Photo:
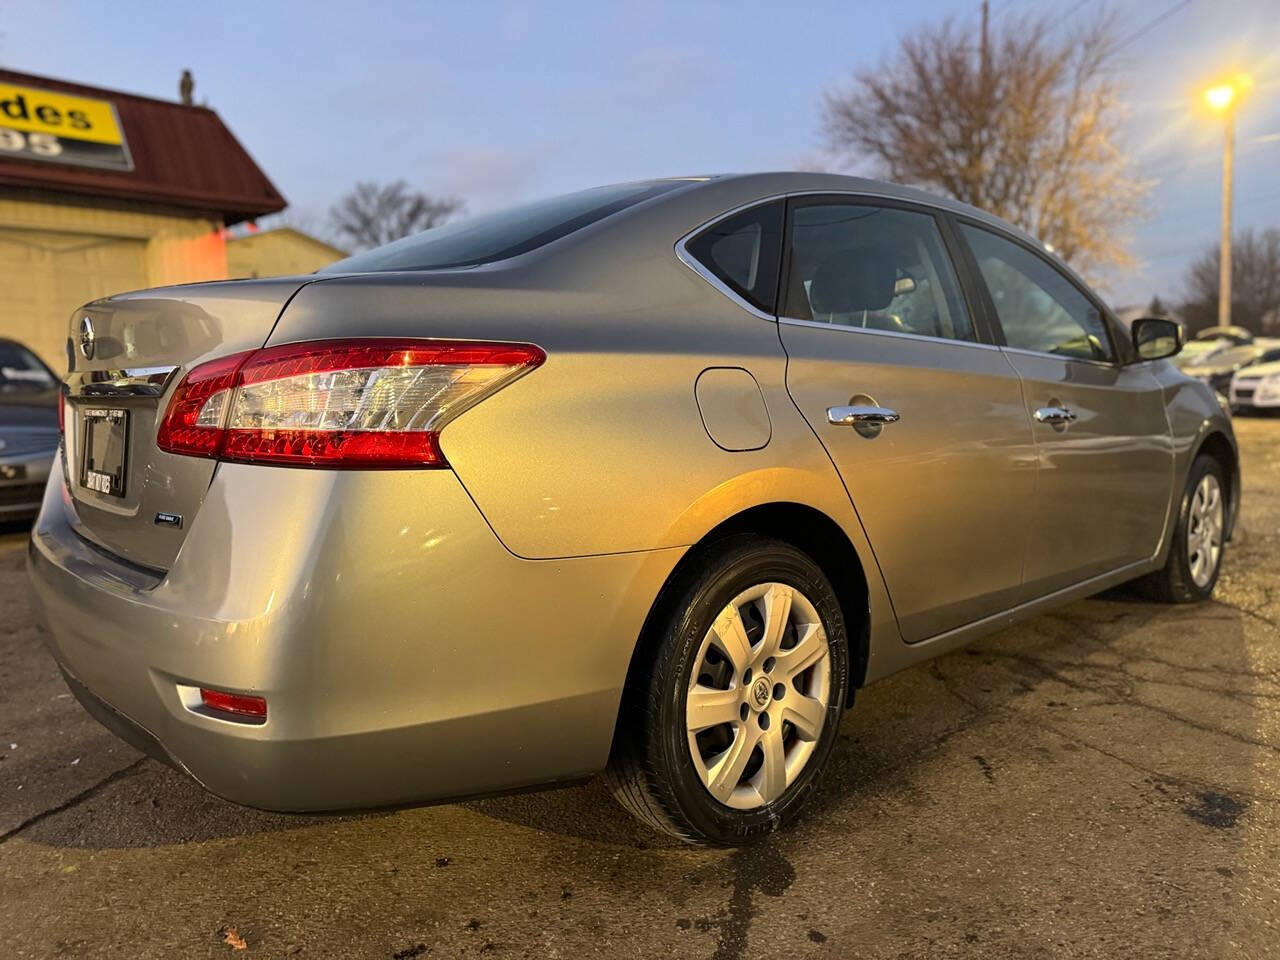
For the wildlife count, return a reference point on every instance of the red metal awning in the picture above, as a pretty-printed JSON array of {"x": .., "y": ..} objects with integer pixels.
[{"x": 183, "y": 156}]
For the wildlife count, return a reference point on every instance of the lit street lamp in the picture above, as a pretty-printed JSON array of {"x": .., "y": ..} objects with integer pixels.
[{"x": 1223, "y": 98}]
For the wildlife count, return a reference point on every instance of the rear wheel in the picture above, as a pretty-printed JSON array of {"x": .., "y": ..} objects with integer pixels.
[
  {"x": 725, "y": 731},
  {"x": 1195, "y": 555}
]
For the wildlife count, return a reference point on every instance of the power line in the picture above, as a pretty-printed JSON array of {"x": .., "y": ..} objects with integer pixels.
[
  {"x": 1067, "y": 16},
  {"x": 1144, "y": 30}
]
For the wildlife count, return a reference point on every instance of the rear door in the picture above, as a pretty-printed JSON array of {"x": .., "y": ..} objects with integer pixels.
[
  {"x": 1102, "y": 434},
  {"x": 876, "y": 324}
]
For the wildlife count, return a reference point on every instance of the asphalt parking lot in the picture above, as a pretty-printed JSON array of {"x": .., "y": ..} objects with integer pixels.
[{"x": 1103, "y": 781}]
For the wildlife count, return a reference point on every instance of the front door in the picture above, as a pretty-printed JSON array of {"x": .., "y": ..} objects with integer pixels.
[
  {"x": 923, "y": 419},
  {"x": 1102, "y": 435}
]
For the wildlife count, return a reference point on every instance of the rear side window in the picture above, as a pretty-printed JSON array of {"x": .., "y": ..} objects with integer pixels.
[
  {"x": 505, "y": 234},
  {"x": 742, "y": 252},
  {"x": 1039, "y": 308},
  {"x": 878, "y": 268}
]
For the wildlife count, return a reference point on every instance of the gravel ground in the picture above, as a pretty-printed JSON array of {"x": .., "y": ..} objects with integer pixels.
[{"x": 1102, "y": 781}]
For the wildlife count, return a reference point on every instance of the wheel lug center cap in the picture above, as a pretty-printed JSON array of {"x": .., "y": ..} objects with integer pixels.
[{"x": 759, "y": 694}]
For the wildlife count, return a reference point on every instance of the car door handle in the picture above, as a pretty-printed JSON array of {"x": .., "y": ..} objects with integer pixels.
[
  {"x": 1054, "y": 415},
  {"x": 851, "y": 416}
]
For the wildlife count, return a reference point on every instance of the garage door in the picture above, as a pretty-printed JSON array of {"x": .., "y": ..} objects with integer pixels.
[{"x": 45, "y": 275}]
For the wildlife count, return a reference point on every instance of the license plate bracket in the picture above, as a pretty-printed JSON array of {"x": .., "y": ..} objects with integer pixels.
[{"x": 105, "y": 450}]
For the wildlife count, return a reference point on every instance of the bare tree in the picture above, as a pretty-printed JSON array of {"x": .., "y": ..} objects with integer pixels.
[
  {"x": 373, "y": 214},
  {"x": 1255, "y": 282},
  {"x": 1018, "y": 120}
]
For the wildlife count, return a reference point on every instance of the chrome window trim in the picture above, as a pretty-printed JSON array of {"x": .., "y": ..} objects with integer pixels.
[
  {"x": 125, "y": 382},
  {"x": 1111, "y": 364},
  {"x": 868, "y": 331},
  {"x": 995, "y": 225},
  {"x": 692, "y": 262}
]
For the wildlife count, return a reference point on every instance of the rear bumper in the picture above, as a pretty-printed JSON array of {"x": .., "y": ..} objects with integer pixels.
[{"x": 404, "y": 654}]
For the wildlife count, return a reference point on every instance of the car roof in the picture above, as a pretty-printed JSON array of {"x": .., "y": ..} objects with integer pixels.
[{"x": 789, "y": 182}]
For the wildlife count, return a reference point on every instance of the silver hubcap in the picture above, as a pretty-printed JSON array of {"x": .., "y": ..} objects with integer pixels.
[
  {"x": 1204, "y": 530},
  {"x": 757, "y": 701}
]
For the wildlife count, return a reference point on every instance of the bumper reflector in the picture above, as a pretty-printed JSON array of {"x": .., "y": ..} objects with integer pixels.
[{"x": 235, "y": 703}]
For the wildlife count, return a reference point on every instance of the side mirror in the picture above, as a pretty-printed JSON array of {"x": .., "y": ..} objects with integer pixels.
[{"x": 1155, "y": 338}]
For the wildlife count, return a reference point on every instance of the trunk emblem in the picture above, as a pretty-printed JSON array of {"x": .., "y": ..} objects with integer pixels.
[
  {"x": 87, "y": 338},
  {"x": 169, "y": 520}
]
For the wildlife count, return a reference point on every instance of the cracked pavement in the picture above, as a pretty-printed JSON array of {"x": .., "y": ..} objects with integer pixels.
[{"x": 1101, "y": 781}]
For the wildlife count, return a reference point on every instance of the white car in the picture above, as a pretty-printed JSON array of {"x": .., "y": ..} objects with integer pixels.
[{"x": 1256, "y": 387}]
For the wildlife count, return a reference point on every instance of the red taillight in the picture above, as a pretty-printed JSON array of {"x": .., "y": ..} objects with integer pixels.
[
  {"x": 337, "y": 403},
  {"x": 62, "y": 414},
  {"x": 184, "y": 429},
  {"x": 236, "y": 703}
]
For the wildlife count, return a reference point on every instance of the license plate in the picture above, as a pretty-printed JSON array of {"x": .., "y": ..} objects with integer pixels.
[{"x": 106, "y": 438}]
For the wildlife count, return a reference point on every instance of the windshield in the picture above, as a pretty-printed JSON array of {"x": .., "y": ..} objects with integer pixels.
[
  {"x": 1199, "y": 351},
  {"x": 507, "y": 233},
  {"x": 21, "y": 370},
  {"x": 1235, "y": 357}
]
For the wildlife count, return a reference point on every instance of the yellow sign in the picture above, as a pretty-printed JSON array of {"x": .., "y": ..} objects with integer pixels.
[
  {"x": 43, "y": 125},
  {"x": 40, "y": 111}
]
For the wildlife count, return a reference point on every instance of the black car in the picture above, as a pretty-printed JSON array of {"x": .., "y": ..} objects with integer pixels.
[{"x": 29, "y": 431}]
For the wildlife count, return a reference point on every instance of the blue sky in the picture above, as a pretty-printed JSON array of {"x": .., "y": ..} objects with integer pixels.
[{"x": 502, "y": 102}]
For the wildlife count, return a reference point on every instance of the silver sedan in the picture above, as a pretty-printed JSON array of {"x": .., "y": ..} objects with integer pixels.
[{"x": 646, "y": 479}]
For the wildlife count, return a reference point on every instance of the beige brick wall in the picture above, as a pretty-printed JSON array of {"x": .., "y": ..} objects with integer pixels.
[
  {"x": 57, "y": 252},
  {"x": 282, "y": 252}
]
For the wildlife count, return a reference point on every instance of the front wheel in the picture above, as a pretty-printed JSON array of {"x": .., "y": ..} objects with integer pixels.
[
  {"x": 1195, "y": 555},
  {"x": 728, "y": 725}
]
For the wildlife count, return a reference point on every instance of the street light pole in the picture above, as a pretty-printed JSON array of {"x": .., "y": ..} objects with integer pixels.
[
  {"x": 1224, "y": 265},
  {"x": 1223, "y": 99}
]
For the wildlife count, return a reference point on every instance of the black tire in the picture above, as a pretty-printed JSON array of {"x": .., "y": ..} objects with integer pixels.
[
  {"x": 1174, "y": 583},
  {"x": 651, "y": 770}
]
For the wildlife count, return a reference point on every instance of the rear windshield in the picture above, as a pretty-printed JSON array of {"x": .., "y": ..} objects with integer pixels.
[
  {"x": 21, "y": 371},
  {"x": 507, "y": 233}
]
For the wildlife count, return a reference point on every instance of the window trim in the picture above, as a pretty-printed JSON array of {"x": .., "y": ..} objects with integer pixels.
[
  {"x": 972, "y": 284},
  {"x": 977, "y": 317},
  {"x": 707, "y": 273},
  {"x": 989, "y": 303},
  {"x": 702, "y": 270}
]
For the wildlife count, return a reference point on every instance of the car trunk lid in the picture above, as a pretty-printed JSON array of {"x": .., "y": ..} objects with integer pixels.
[{"x": 127, "y": 354}]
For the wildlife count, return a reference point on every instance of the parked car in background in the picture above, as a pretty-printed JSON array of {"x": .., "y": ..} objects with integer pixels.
[
  {"x": 647, "y": 478},
  {"x": 1196, "y": 352},
  {"x": 28, "y": 430},
  {"x": 1257, "y": 386},
  {"x": 1219, "y": 367},
  {"x": 1236, "y": 335}
]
